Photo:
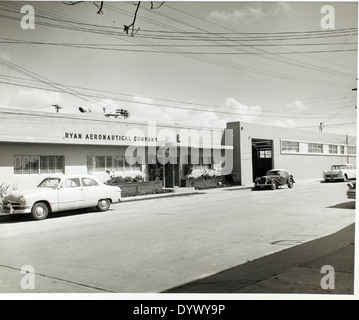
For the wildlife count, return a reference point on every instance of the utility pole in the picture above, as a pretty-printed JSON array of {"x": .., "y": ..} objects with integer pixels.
[
  {"x": 347, "y": 143},
  {"x": 355, "y": 89},
  {"x": 321, "y": 127}
]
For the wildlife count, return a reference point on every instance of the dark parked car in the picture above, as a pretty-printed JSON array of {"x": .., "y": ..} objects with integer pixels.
[{"x": 273, "y": 179}]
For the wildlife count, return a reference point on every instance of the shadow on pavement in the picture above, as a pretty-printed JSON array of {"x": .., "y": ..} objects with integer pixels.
[
  {"x": 345, "y": 205},
  {"x": 23, "y": 218}
]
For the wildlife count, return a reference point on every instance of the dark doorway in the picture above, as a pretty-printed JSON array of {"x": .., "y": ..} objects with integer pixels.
[
  {"x": 172, "y": 175},
  {"x": 262, "y": 157}
]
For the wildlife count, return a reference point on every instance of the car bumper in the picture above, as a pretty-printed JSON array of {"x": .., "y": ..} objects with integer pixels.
[
  {"x": 330, "y": 177},
  {"x": 10, "y": 209},
  {"x": 262, "y": 185}
]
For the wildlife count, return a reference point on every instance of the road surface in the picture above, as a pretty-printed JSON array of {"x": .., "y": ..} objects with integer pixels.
[{"x": 154, "y": 245}]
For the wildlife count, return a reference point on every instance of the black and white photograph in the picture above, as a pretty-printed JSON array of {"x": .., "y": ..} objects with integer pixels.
[{"x": 178, "y": 149}]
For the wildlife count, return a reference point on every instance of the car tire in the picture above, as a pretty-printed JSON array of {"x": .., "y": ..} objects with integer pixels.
[
  {"x": 274, "y": 185},
  {"x": 346, "y": 177},
  {"x": 104, "y": 205},
  {"x": 290, "y": 184},
  {"x": 39, "y": 211}
]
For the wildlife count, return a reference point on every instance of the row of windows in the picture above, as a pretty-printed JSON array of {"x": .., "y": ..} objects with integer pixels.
[
  {"x": 110, "y": 163},
  {"x": 56, "y": 164},
  {"x": 39, "y": 164},
  {"x": 318, "y": 148}
]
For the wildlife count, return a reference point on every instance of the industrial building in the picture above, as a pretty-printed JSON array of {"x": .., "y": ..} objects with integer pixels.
[{"x": 36, "y": 145}]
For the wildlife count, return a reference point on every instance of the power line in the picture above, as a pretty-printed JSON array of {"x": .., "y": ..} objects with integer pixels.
[
  {"x": 288, "y": 59},
  {"x": 239, "y": 113},
  {"x": 92, "y": 90},
  {"x": 107, "y": 48},
  {"x": 229, "y": 65}
]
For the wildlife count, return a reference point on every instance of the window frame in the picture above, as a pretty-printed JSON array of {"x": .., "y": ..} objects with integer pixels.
[{"x": 39, "y": 164}]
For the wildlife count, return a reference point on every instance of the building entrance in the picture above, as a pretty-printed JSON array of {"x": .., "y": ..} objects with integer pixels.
[
  {"x": 172, "y": 176},
  {"x": 262, "y": 157}
]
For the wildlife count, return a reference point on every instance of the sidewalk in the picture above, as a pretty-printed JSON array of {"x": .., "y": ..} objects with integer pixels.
[
  {"x": 180, "y": 192},
  {"x": 191, "y": 191},
  {"x": 296, "y": 270}
]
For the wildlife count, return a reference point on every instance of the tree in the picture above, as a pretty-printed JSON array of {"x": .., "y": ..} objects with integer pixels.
[{"x": 128, "y": 29}]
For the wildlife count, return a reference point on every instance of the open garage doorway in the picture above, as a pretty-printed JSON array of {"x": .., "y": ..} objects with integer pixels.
[{"x": 262, "y": 157}]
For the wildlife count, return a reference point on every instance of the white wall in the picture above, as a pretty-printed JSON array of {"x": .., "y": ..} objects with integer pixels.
[{"x": 300, "y": 166}]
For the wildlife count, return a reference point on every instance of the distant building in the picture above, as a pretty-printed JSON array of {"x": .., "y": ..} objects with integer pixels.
[{"x": 305, "y": 154}]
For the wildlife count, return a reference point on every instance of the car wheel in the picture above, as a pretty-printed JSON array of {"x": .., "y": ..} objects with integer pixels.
[
  {"x": 104, "y": 205},
  {"x": 290, "y": 184},
  {"x": 39, "y": 211},
  {"x": 346, "y": 177},
  {"x": 274, "y": 185}
]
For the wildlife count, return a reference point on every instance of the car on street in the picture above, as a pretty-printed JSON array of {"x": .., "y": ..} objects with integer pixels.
[
  {"x": 274, "y": 179},
  {"x": 351, "y": 193},
  {"x": 340, "y": 172},
  {"x": 61, "y": 193}
]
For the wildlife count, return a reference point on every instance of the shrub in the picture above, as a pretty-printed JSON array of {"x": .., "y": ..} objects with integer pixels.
[{"x": 138, "y": 179}]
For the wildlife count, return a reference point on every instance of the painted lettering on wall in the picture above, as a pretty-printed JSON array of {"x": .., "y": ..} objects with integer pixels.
[{"x": 106, "y": 137}]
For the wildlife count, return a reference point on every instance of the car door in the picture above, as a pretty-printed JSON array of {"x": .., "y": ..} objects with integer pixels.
[
  {"x": 92, "y": 191},
  {"x": 284, "y": 177},
  {"x": 71, "y": 194}
]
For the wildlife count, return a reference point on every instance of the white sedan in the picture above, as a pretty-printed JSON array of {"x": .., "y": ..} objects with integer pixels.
[
  {"x": 61, "y": 193},
  {"x": 340, "y": 172}
]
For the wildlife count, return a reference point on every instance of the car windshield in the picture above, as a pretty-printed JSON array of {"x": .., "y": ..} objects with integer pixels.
[
  {"x": 50, "y": 183},
  {"x": 273, "y": 173},
  {"x": 340, "y": 167}
]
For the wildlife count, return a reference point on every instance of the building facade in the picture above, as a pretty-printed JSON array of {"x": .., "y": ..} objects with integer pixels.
[
  {"x": 305, "y": 154},
  {"x": 34, "y": 146}
]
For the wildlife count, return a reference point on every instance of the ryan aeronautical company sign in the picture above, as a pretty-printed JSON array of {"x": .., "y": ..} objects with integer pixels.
[{"x": 106, "y": 137}]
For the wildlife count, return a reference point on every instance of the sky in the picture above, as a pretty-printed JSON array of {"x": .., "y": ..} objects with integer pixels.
[{"x": 189, "y": 63}]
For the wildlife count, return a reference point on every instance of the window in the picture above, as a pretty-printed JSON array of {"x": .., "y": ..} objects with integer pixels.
[
  {"x": 18, "y": 165},
  {"x": 101, "y": 164},
  {"x": 265, "y": 154},
  {"x": 26, "y": 165},
  {"x": 44, "y": 164},
  {"x": 88, "y": 182},
  {"x": 71, "y": 183},
  {"x": 59, "y": 166},
  {"x": 110, "y": 163},
  {"x": 50, "y": 183},
  {"x": 342, "y": 149},
  {"x": 52, "y": 164},
  {"x": 333, "y": 149},
  {"x": 290, "y": 146},
  {"x": 352, "y": 150},
  {"x": 118, "y": 163},
  {"x": 39, "y": 164},
  {"x": 315, "y": 148},
  {"x": 34, "y": 164}
]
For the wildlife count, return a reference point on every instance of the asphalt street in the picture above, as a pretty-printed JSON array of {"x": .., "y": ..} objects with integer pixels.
[{"x": 155, "y": 245}]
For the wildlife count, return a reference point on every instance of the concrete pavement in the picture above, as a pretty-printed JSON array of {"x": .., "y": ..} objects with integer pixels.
[
  {"x": 156, "y": 245},
  {"x": 296, "y": 270}
]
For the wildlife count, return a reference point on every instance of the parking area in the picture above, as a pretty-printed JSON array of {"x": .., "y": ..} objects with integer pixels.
[{"x": 159, "y": 244}]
